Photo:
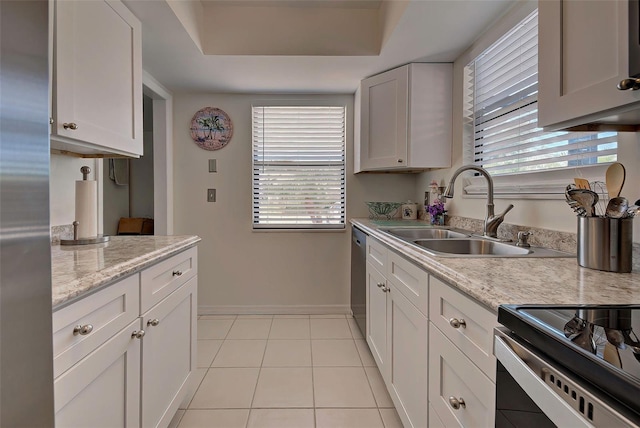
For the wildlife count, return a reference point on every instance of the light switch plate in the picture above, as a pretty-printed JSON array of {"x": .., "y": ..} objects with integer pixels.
[
  {"x": 213, "y": 167},
  {"x": 211, "y": 195}
]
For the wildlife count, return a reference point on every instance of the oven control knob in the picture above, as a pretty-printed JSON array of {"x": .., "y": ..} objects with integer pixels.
[
  {"x": 456, "y": 403},
  {"x": 457, "y": 323}
]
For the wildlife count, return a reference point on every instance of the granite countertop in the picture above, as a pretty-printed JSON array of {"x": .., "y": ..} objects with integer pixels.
[
  {"x": 79, "y": 269},
  {"x": 496, "y": 281}
]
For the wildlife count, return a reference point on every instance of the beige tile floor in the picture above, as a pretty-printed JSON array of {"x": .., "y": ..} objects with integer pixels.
[{"x": 284, "y": 371}]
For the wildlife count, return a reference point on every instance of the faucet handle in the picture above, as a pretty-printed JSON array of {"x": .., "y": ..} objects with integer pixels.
[{"x": 523, "y": 239}]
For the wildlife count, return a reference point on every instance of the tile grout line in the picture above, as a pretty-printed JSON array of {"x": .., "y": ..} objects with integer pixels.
[
  {"x": 255, "y": 389},
  {"x": 313, "y": 385}
]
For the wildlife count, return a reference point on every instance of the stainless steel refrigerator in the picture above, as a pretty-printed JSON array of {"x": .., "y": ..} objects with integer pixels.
[{"x": 26, "y": 363}]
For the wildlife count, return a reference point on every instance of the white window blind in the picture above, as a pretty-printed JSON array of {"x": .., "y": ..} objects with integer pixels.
[
  {"x": 502, "y": 85},
  {"x": 298, "y": 167}
]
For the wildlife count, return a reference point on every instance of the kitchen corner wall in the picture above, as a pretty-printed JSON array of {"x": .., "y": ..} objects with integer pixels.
[
  {"x": 243, "y": 271},
  {"x": 545, "y": 214}
]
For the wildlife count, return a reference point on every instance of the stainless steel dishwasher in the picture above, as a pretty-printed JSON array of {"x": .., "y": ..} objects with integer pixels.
[{"x": 359, "y": 278}]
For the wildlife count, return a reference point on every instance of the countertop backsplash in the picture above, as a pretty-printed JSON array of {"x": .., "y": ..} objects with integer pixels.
[{"x": 61, "y": 232}]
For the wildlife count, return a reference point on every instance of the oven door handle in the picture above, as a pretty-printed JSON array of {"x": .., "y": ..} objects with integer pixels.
[{"x": 559, "y": 412}]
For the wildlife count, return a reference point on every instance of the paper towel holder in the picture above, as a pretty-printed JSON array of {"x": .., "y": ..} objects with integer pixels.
[
  {"x": 85, "y": 170},
  {"x": 84, "y": 241}
]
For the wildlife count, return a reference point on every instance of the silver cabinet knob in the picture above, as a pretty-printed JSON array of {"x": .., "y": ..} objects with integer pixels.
[
  {"x": 154, "y": 322},
  {"x": 70, "y": 125},
  {"x": 380, "y": 285},
  {"x": 386, "y": 289},
  {"x": 177, "y": 273},
  {"x": 629, "y": 84},
  {"x": 82, "y": 330},
  {"x": 457, "y": 323},
  {"x": 457, "y": 403},
  {"x": 400, "y": 161},
  {"x": 138, "y": 334}
]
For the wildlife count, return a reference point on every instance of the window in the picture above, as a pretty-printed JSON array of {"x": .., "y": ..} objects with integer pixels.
[
  {"x": 298, "y": 167},
  {"x": 501, "y": 113}
]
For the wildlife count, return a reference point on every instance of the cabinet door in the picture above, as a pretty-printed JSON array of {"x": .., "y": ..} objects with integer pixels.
[
  {"x": 103, "y": 389},
  {"x": 407, "y": 341},
  {"x": 580, "y": 64},
  {"x": 384, "y": 120},
  {"x": 97, "y": 82},
  {"x": 377, "y": 317},
  {"x": 168, "y": 355},
  {"x": 454, "y": 377}
]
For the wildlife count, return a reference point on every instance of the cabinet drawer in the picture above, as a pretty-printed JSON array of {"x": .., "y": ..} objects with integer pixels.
[
  {"x": 162, "y": 279},
  {"x": 409, "y": 279},
  {"x": 377, "y": 255},
  {"x": 452, "y": 375},
  {"x": 474, "y": 337},
  {"x": 106, "y": 312}
]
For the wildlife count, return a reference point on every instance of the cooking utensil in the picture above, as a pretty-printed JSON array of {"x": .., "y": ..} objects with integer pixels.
[
  {"x": 575, "y": 206},
  {"x": 587, "y": 199},
  {"x": 603, "y": 197},
  {"x": 632, "y": 211},
  {"x": 617, "y": 207},
  {"x": 615, "y": 179},
  {"x": 582, "y": 183}
]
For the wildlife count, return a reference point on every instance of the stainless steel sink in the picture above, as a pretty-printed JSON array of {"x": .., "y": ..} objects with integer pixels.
[
  {"x": 445, "y": 242},
  {"x": 426, "y": 233},
  {"x": 479, "y": 247}
]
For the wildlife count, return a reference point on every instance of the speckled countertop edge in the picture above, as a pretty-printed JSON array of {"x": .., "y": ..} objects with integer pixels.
[
  {"x": 496, "y": 281},
  {"x": 79, "y": 270}
]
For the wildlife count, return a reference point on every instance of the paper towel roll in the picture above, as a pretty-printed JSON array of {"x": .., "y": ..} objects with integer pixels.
[{"x": 87, "y": 208}]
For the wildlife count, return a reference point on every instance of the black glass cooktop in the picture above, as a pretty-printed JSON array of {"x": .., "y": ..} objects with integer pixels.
[{"x": 600, "y": 344}]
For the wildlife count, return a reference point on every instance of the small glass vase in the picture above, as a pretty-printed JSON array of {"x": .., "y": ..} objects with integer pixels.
[{"x": 437, "y": 220}]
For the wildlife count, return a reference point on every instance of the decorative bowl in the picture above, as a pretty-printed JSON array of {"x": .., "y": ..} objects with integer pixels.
[{"x": 383, "y": 209}]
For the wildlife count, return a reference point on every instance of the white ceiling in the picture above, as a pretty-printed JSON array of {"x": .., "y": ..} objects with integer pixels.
[{"x": 428, "y": 31}]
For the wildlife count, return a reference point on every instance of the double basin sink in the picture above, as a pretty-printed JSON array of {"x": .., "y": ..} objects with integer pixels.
[{"x": 459, "y": 243}]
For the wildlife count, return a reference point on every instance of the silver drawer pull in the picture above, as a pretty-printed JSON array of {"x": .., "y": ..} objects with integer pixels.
[
  {"x": 82, "y": 330},
  {"x": 457, "y": 403},
  {"x": 137, "y": 334},
  {"x": 154, "y": 322},
  {"x": 457, "y": 323},
  {"x": 177, "y": 273},
  {"x": 71, "y": 126}
]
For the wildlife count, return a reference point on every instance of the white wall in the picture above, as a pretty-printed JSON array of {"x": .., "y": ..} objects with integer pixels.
[
  {"x": 65, "y": 171},
  {"x": 547, "y": 214},
  {"x": 245, "y": 271}
]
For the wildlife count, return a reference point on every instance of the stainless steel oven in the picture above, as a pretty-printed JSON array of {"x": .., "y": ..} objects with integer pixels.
[{"x": 567, "y": 366}]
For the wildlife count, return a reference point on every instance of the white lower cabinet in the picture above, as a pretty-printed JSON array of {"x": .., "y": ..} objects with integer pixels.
[
  {"x": 131, "y": 377},
  {"x": 377, "y": 317},
  {"x": 168, "y": 356},
  {"x": 407, "y": 347},
  {"x": 397, "y": 337},
  {"x": 431, "y": 342},
  {"x": 459, "y": 392},
  {"x": 102, "y": 390}
]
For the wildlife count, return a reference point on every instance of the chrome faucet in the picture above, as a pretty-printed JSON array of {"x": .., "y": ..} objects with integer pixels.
[{"x": 491, "y": 221}]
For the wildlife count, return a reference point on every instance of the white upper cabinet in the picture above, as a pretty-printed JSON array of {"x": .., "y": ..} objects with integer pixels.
[
  {"x": 97, "y": 79},
  {"x": 405, "y": 119},
  {"x": 583, "y": 56}
]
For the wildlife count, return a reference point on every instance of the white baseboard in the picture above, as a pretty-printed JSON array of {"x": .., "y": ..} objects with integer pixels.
[{"x": 274, "y": 309}]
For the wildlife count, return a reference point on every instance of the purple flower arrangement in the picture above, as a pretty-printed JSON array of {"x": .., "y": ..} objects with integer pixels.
[
  {"x": 436, "y": 211},
  {"x": 436, "y": 208}
]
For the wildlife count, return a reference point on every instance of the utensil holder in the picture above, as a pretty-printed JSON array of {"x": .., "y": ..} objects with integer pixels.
[{"x": 605, "y": 243}]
